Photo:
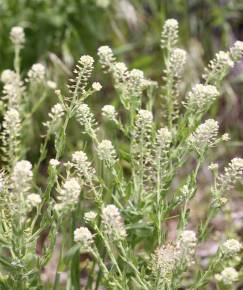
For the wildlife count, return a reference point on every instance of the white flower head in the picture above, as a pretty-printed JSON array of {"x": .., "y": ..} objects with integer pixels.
[
  {"x": 169, "y": 34},
  {"x": 164, "y": 261},
  {"x": 113, "y": 222},
  {"x": 205, "y": 135},
  {"x": 96, "y": 86},
  {"x": 106, "y": 152},
  {"x": 177, "y": 62},
  {"x": 187, "y": 244},
  {"x": 109, "y": 112},
  {"x": 232, "y": 174},
  {"x": 236, "y": 51},
  {"x": 228, "y": 276},
  {"x": 17, "y": 35},
  {"x": 90, "y": 216},
  {"x": 54, "y": 162},
  {"x": 33, "y": 200},
  {"x": 83, "y": 236},
  {"x": 83, "y": 165},
  {"x": 22, "y": 175},
  {"x": 69, "y": 193},
  {"x": 9, "y": 76},
  {"x": 86, "y": 60},
  {"x": 163, "y": 138},
  {"x": 106, "y": 57},
  {"x": 231, "y": 247},
  {"x": 201, "y": 97},
  {"x": 37, "y": 73}
]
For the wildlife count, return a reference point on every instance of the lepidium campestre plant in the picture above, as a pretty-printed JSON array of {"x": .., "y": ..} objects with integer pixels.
[{"x": 106, "y": 202}]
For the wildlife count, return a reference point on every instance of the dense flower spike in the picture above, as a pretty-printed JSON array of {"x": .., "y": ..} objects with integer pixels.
[
  {"x": 232, "y": 174},
  {"x": 201, "y": 97},
  {"x": 205, "y": 135},
  {"x": 231, "y": 247},
  {"x": 109, "y": 112},
  {"x": 106, "y": 152},
  {"x": 33, "y": 200},
  {"x": 83, "y": 166},
  {"x": 164, "y": 263},
  {"x": 84, "y": 237},
  {"x": 37, "y": 73},
  {"x": 13, "y": 88},
  {"x": 236, "y": 51},
  {"x": 187, "y": 244},
  {"x": 56, "y": 114},
  {"x": 113, "y": 222},
  {"x": 68, "y": 194},
  {"x": 177, "y": 62},
  {"x": 228, "y": 276},
  {"x": 169, "y": 35},
  {"x": 22, "y": 176},
  {"x": 106, "y": 57},
  {"x": 82, "y": 72},
  {"x": 17, "y": 35},
  {"x": 163, "y": 138},
  {"x": 218, "y": 67},
  {"x": 86, "y": 119},
  {"x": 11, "y": 135}
]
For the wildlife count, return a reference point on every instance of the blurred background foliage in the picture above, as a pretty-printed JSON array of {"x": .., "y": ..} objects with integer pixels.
[{"x": 59, "y": 31}]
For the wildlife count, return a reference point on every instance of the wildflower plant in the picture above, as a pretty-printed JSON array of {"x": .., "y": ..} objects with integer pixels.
[{"x": 113, "y": 206}]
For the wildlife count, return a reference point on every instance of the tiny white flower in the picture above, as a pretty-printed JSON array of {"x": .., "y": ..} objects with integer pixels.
[
  {"x": 96, "y": 86},
  {"x": 17, "y": 35},
  {"x": 54, "y": 162}
]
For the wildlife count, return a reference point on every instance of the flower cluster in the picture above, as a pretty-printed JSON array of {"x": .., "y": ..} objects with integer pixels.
[
  {"x": 109, "y": 112},
  {"x": 205, "y": 135},
  {"x": 231, "y": 247},
  {"x": 231, "y": 174},
  {"x": 37, "y": 73},
  {"x": 228, "y": 276},
  {"x": 84, "y": 237},
  {"x": 83, "y": 166},
  {"x": 164, "y": 262},
  {"x": 13, "y": 88},
  {"x": 11, "y": 134},
  {"x": 82, "y": 72},
  {"x": 86, "y": 119},
  {"x": 106, "y": 152},
  {"x": 163, "y": 138},
  {"x": 17, "y": 35},
  {"x": 113, "y": 222},
  {"x": 68, "y": 194},
  {"x": 187, "y": 244},
  {"x": 106, "y": 57},
  {"x": 176, "y": 62},
  {"x": 236, "y": 51},
  {"x": 56, "y": 114},
  {"x": 22, "y": 176},
  {"x": 201, "y": 97},
  {"x": 169, "y": 35},
  {"x": 218, "y": 67}
]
